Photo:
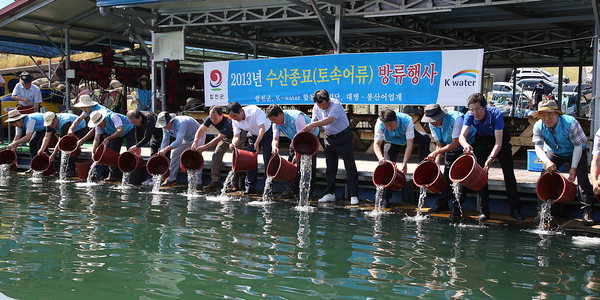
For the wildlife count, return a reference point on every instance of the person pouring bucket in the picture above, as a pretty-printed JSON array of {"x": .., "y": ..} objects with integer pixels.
[
  {"x": 29, "y": 128},
  {"x": 565, "y": 142},
  {"x": 445, "y": 128}
]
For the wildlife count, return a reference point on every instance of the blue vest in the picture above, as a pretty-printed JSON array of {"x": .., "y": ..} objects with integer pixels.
[
  {"x": 64, "y": 118},
  {"x": 398, "y": 136},
  {"x": 444, "y": 132},
  {"x": 289, "y": 123},
  {"x": 109, "y": 127},
  {"x": 39, "y": 121},
  {"x": 558, "y": 142}
]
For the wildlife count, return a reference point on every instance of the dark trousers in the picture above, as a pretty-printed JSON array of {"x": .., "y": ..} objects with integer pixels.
[
  {"x": 35, "y": 143},
  {"x": 336, "y": 146},
  {"x": 585, "y": 191},
  {"x": 482, "y": 147},
  {"x": 295, "y": 186},
  {"x": 115, "y": 144},
  {"x": 265, "y": 147},
  {"x": 448, "y": 193},
  {"x": 391, "y": 152}
]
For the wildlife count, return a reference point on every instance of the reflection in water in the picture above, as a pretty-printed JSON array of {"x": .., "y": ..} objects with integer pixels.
[{"x": 303, "y": 229}]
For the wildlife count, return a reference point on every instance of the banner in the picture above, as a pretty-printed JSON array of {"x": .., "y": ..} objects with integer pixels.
[{"x": 400, "y": 78}]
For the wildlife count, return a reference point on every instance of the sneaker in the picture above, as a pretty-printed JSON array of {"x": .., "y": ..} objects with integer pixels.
[
  {"x": 167, "y": 184},
  {"x": 327, "y": 198},
  {"x": 354, "y": 200},
  {"x": 484, "y": 216},
  {"x": 213, "y": 186},
  {"x": 586, "y": 217},
  {"x": 232, "y": 189},
  {"x": 148, "y": 182}
]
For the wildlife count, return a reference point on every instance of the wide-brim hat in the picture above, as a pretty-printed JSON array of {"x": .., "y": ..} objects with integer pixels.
[
  {"x": 433, "y": 113},
  {"x": 143, "y": 77},
  {"x": 85, "y": 101},
  {"x": 48, "y": 118},
  {"x": 547, "y": 106},
  {"x": 163, "y": 119},
  {"x": 115, "y": 84},
  {"x": 96, "y": 118},
  {"x": 14, "y": 115}
]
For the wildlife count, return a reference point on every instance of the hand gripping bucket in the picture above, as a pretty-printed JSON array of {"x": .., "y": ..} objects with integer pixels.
[
  {"x": 106, "y": 156},
  {"x": 305, "y": 143},
  {"x": 68, "y": 144},
  {"x": 428, "y": 175},
  {"x": 244, "y": 160},
  {"x": 130, "y": 162},
  {"x": 83, "y": 169},
  {"x": 8, "y": 157},
  {"x": 388, "y": 176},
  {"x": 281, "y": 170},
  {"x": 41, "y": 163},
  {"x": 466, "y": 171},
  {"x": 158, "y": 165},
  {"x": 554, "y": 186},
  {"x": 191, "y": 160}
]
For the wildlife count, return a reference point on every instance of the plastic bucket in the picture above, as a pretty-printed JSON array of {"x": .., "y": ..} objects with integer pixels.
[
  {"x": 191, "y": 160},
  {"x": 158, "y": 165},
  {"x": 305, "y": 143},
  {"x": 466, "y": 171},
  {"x": 281, "y": 170},
  {"x": 130, "y": 162},
  {"x": 83, "y": 169},
  {"x": 244, "y": 160},
  {"x": 8, "y": 157},
  {"x": 388, "y": 176},
  {"x": 428, "y": 175},
  {"x": 41, "y": 163},
  {"x": 68, "y": 143},
  {"x": 106, "y": 156},
  {"x": 25, "y": 110},
  {"x": 554, "y": 186}
]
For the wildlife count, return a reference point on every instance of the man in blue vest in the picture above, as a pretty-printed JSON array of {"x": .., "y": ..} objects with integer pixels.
[
  {"x": 566, "y": 143},
  {"x": 115, "y": 128},
  {"x": 491, "y": 142},
  {"x": 396, "y": 129},
  {"x": 290, "y": 122},
  {"x": 445, "y": 128},
  {"x": 59, "y": 124},
  {"x": 29, "y": 128}
]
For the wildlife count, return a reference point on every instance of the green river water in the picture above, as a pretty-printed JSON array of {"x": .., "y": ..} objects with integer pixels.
[{"x": 60, "y": 241}]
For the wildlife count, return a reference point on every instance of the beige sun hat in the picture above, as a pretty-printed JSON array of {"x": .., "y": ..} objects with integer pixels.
[
  {"x": 115, "y": 84},
  {"x": 547, "y": 106},
  {"x": 163, "y": 119},
  {"x": 85, "y": 101},
  {"x": 14, "y": 115},
  {"x": 96, "y": 118},
  {"x": 48, "y": 118}
]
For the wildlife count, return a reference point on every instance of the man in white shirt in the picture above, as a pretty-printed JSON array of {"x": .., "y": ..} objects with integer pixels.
[
  {"x": 253, "y": 120},
  {"x": 26, "y": 93}
]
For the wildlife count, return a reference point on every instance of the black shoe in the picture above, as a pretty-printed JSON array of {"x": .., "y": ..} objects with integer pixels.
[
  {"x": 437, "y": 209},
  {"x": 484, "y": 216},
  {"x": 232, "y": 189},
  {"x": 456, "y": 213},
  {"x": 250, "y": 192},
  {"x": 516, "y": 214},
  {"x": 586, "y": 217},
  {"x": 29, "y": 171},
  {"x": 289, "y": 194}
]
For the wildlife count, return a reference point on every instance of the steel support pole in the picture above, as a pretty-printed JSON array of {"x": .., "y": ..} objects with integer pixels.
[
  {"x": 67, "y": 99},
  {"x": 153, "y": 83},
  {"x": 163, "y": 85},
  {"x": 338, "y": 29}
]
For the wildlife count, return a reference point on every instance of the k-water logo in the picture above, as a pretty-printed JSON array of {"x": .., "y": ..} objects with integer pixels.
[
  {"x": 216, "y": 79},
  {"x": 459, "y": 79}
]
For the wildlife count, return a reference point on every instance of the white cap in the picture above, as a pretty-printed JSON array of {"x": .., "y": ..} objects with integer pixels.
[{"x": 48, "y": 118}]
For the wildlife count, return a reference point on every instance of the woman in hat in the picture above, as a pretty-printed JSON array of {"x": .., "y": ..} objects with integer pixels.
[
  {"x": 566, "y": 143},
  {"x": 26, "y": 93},
  {"x": 143, "y": 94},
  {"x": 29, "y": 128}
]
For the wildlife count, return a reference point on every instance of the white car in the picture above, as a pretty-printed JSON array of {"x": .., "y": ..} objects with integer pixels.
[{"x": 540, "y": 73}]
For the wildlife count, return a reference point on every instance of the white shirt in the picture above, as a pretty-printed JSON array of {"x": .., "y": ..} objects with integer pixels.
[
  {"x": 300, "y": 124},
  {"x": 115, "y": 119},
  {"x": 455, "y": 130},
  {"x": 33, "y": 94},
  {"x": 254, "y": 118},
  {"x": 410, "y": 132},
  {"x": 335, "y": 110}
]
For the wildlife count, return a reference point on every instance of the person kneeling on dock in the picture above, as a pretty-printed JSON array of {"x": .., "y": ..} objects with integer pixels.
[
  {"x": 566, "y": 144},
  {"x": 491, "y": 141},
  {"x": 445, "y": 128},
  {"x": 397, "y": 129},
  {"x": 60, "y": 124},
  {"x": 29, "y": 128},
  {"x": 115, "y": 128},
  {"x": 290, "y": 122},
  {"x": 183, "y": 129}
]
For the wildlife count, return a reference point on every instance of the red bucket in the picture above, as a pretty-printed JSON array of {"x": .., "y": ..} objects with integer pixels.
[
  {"x": 281, "y": 169},
  {"x": 130, "y": 162},
  {"x": 191, "y": 160},
  {"x": 244, "y": 160},
  {"x": 428, "y": 175},
  {"x": 106, "y": 156},
  {"x": 388, "y": 176},
  {"x": 25, "y": 110},
  {"x": 305, "y": 143},
  {"x": 554, "y": 186},
  {"x": 83, "y": 169},
  {"x": 41, "y": 163},
  {"x": 466, "y": 171},
  {"x": 8, "y": 157},
  {"x": 158, "y": 165},
  {"x": 68, "y": 143}
]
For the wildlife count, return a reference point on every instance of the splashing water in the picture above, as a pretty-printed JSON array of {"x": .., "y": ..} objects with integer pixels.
[
  {"x": 305, "y": 179},
  {"x": 36, "y": 176},
  {"x": 266, "y": 196},
  {"x": 156, "y": 179},
  {"x": 456, "y": 191},
  {"x": 4, "y": 172},
  {"x": 125, "y": 180},
  {"x": 64, "y": 165},
  {"x": 227, "y": 182},
  {"x": 193, "y": 181},
  {"x": 92, "y": 172},
  {"x": 303, "y": 229},
  {"x": 378, "y": 200},
  {"x": 419, "y": 216},
  {"x": 545, "y": 215}
]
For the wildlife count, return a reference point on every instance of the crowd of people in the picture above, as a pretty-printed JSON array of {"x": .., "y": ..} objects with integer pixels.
[{"x": 558, "y": 139}]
